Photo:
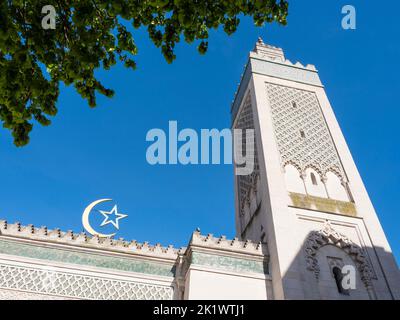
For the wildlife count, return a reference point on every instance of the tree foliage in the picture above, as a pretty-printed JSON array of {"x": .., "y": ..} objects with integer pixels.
[{"x": 93, "y": 34}]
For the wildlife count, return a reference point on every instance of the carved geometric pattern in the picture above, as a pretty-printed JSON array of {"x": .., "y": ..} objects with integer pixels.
[
  {"x": 302, "y": 134},
  {"x": 78, "y": 286},
  {"x": 247, "y": 183},
  {"x": 6, "y": 294},
  {"x": 329, "y": 236}
]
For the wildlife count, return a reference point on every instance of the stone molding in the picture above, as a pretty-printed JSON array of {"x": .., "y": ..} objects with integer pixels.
[{"x": 74, "y": 256}]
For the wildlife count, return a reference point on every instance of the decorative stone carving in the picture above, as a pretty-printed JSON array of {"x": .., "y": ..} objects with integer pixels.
[
  {"x": 248, "y": 185},
  {"x": 6, "y": 294},
  {"x": 61, "y": 284},
  {"x": 294, "y": 112},
  {"x": 329, "y": 236}
]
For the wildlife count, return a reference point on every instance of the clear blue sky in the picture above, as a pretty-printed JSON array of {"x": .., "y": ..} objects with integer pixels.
[{"x": 87, "y": 154}]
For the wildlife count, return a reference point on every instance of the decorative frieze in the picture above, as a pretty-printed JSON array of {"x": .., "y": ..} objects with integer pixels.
[
  {"x": 102, "y": 259},
  {"x": 228, "y": 263},
  {"x": 34, "y": 283}
]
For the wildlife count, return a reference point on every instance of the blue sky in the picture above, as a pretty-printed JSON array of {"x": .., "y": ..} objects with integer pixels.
[{"x": 87, "y": 154}]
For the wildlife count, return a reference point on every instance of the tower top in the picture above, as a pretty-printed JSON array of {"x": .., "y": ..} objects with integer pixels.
[
  {"x": 268, "y": 51},
  {"x": 270, "y": 61}
]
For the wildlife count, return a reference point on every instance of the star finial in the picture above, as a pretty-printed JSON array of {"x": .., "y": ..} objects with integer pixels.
[{"x": 114, "y": 211}]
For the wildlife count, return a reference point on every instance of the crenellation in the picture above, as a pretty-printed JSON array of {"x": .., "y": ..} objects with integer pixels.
[
  {"x": 132, "y": 245},
  {"x": 94, "y": 240},
  {"x": 222, "y": 238},
  {"x": 55, "y": 234},
  {"x": 43, "y": 231},
  {"x": 311, "y": 67},
  {"x": 43, "y": 234},
  {"x": 222, "y": 243},
  {"x": 69, "y": 235},
  {"x": 16, "y": 230},
  {"x": 81, "y": 238}
]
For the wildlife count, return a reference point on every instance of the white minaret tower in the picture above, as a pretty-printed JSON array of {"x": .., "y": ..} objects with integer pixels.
[{"x": 305, "y": 198}]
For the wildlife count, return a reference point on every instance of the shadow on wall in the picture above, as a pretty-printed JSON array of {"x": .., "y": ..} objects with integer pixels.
[{"x": 314, "y": 272}]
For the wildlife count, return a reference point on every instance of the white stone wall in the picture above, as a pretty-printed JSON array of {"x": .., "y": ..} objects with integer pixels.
[
  {"x": 294, "y": 180},
  {"x": 210, "y": 284}
]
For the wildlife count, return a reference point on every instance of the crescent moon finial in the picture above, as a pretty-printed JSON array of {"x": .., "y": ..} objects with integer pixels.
[{"x": 86, "y": 223}]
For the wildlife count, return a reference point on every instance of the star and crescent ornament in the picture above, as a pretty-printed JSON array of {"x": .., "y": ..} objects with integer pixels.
[
  {"x": 111, "y": 217},
  {"x": 107, "y": 220}
]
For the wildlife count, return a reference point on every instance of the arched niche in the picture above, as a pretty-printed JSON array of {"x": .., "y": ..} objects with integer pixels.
[
  {"x": 314, "y": 184},
  {"x": 335, "y": 188},
  {"x": 294, "y": 182},
  {"x": 324, "y": 245}
]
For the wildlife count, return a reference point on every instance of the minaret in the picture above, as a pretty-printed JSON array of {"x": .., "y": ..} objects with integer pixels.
[{"x": 305, "y": 198}]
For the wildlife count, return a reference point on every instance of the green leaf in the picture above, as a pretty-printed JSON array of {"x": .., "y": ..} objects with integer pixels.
[{"x": 92, "y": 34}]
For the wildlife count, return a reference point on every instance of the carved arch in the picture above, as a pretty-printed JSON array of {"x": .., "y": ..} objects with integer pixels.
[
  {"x": 336, "y": 172},
  {"x": 294, "y": 164},
  {"x": 329, "y": 236},
  {"x": 316, "y": 169}
]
